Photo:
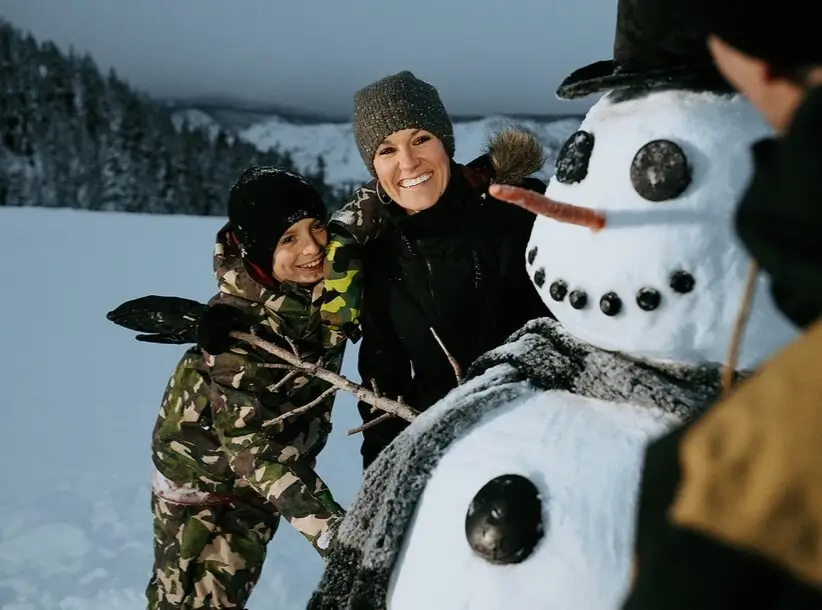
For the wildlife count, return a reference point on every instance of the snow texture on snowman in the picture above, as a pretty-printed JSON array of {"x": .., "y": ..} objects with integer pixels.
[{"x": 518, "y": 489}]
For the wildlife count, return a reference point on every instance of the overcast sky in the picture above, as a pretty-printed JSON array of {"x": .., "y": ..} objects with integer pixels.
[{"x": 483, "y": 55}]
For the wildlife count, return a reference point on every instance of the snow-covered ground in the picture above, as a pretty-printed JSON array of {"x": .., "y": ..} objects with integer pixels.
[
  {"x": 335, "y": 143},
  {"x": 79, "y": 398}
]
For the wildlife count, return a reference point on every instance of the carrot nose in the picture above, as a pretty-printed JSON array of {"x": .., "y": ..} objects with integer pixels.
[{"x": 543, "y": 206}]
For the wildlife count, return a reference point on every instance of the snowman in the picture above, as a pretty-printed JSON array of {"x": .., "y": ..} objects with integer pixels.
[{"x": 518, "y": 489}]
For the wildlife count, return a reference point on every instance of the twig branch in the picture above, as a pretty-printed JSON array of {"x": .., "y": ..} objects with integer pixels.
[
  {"x": 304, "y": 408},
  {"x": 739, "y": 326},
  {"x": 377, "y": 392},
  {"x": 286, "y": 378},
  {"x": 371, "y": 424},
  {"x": 361, "y": 393},
  {"x": 453, "y": 361},
  {"x": 293, "y": 346}
]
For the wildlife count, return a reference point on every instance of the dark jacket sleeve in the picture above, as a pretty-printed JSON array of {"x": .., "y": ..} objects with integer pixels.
[
  {"x": 780, "y": 218},
  {"x": 382, "y": 361}
]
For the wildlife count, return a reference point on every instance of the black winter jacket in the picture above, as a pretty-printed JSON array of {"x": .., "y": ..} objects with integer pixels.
[{"x": 457, "y": 268}]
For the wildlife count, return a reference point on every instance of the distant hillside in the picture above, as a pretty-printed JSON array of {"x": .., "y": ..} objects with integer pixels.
[
  {"x": 71, "y": 136},
  {"x": 328, "y": 147},
  {"x": 342, "y": 165},
  {"x": 236, "y": 114}
]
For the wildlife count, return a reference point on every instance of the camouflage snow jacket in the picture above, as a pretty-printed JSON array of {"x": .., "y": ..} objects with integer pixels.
[{"x": 214, "y": 432}]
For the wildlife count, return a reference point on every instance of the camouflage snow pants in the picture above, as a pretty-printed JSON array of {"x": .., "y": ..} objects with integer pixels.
[{"x": 208, "y": 556}]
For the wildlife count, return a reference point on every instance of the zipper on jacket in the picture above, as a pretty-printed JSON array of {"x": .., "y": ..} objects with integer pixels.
[
  {"x": 478, "y": 281},
  {"x": 427, "y": 262},
  {"x": 477, "y": 270},
  {"x": 417, "y": 251}
]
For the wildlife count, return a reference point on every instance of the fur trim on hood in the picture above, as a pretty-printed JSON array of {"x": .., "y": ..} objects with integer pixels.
[{"x": 515, "y": 154}]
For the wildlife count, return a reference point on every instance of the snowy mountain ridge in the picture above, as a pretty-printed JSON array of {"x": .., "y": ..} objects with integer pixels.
[{"x": 334, "y": 141}]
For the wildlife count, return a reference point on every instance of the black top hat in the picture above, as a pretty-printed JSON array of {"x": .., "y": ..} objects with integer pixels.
[{"x": 657, "y": 45}]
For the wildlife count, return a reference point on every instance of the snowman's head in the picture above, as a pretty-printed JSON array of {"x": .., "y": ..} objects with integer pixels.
[{"x": 665, "y": 278}]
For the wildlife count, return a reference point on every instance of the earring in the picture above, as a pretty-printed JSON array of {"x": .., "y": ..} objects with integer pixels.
[{"x": 382, "y": 201}]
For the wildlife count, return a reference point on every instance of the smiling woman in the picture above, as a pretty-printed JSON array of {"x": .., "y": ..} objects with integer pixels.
[
  {"x": 413, "y": 168},
  {"x": 441, "y": 265}
]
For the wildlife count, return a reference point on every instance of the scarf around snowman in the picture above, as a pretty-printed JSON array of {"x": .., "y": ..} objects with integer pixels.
[{"x": 542, "y": 356}]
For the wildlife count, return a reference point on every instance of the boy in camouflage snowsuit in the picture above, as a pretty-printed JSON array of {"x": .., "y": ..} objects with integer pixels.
[{"x": 225, "y": 472}]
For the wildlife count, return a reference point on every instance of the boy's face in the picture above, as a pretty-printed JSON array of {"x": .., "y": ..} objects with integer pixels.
[
  {"x": 775, "y": 96},
  {"x": 300, "y": 252}
]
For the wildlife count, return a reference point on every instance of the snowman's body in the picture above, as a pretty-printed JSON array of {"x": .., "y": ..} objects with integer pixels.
[
  {"x": 572, "y": 405},
  {"x": 584, "y": 455}
]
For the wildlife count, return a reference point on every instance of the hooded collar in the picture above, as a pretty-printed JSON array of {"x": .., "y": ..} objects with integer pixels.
[
  {"x": 235, "y": 279},
  {"x": 290, "y": 309}
]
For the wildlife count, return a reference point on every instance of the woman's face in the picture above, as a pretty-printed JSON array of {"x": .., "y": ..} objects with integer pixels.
[
  {"x": 300, "y": 253},
  {"x": 413, "y": 169}
]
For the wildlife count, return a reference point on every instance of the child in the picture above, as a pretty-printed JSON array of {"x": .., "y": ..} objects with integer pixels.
[{"x": 224, "y": 471}]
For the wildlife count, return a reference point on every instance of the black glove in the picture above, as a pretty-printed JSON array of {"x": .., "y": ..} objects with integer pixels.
[
  {"x": 169, "y": 319},
  {"x": 216, "y": 323},
  {"x": 175, "y": 338},
  {"x": 352, "y": 331}
]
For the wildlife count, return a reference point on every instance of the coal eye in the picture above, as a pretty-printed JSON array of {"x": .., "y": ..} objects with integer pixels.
[
  {"x": 504, "y": 520},
  {"x": 660, "y": 171},
  {"x": 573, "y": 158}
]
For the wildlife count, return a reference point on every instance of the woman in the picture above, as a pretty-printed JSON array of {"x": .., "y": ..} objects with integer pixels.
[
  {"x": 225, "y": 472},
  {"x": 444, "y": 275}
]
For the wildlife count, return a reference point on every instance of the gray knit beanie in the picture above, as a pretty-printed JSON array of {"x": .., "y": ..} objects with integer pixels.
[{"x": 396, "y": 102}]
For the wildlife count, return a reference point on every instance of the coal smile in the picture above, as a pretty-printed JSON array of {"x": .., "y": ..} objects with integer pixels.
[
  {"x": 610, "y": 303},
  {"x": 647, "y": 298}
]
